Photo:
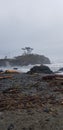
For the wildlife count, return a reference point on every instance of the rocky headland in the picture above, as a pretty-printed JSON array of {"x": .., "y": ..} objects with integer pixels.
[{"x": 25, "y": 60}]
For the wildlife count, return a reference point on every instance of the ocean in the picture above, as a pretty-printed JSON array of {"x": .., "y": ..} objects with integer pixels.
[{"x": 54, "y": 67}]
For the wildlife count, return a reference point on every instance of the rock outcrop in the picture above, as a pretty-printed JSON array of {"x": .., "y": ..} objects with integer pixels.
[
  {"x": 25, "y": 60},
  {"x": 40, "y": 69},
  {"x": 61, "y": 69}
]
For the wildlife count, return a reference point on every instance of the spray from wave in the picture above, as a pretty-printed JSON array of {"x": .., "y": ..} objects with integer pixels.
[{"x": 54, "y": 67}]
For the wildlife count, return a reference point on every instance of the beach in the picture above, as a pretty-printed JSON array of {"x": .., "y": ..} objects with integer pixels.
[{"x": 27, "y": 102}]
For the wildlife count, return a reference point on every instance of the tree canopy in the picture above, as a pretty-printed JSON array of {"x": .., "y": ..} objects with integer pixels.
[{"x": 27, "y": 50}]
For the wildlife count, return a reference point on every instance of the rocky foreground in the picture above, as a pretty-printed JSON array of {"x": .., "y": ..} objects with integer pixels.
[{"x": 31, "y": 102}]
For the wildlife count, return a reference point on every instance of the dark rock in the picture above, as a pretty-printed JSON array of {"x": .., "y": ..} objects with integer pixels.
[
  {"x": 48, "y": 119},
  {"x": 24, "y": 128},
  {"x": 1, "y": 71},
  {"x": 46, "y": 110},
  {"x": 11, "y": 127},
  {"x": 61, "y": 69},
  {"x": 40, "y": 69},
  {"x": 15, "y": 68}
]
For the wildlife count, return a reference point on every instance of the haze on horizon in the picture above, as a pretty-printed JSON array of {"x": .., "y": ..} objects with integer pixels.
[{"x": 34, "y": 23}]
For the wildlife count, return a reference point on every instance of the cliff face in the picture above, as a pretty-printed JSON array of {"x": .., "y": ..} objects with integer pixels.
[{"x": 25, "y": 60}]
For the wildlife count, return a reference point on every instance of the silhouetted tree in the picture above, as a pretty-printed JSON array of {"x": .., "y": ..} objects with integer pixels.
[
  {"x": 27, "y": 50},
  {"x": 24, "y": 50}
]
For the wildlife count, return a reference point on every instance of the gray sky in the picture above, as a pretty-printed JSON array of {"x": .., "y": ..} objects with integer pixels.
[{"x": 34, "y": 23}]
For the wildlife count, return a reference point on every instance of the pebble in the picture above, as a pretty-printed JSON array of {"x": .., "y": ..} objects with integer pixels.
[{"x": 46, "y": 110}]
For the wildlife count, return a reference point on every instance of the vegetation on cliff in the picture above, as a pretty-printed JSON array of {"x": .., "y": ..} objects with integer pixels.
[{"x": 25, "y": 60}]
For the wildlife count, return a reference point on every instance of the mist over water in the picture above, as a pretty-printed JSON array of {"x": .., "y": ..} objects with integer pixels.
[
  {"x": 19, "y": 68},
  {"x": 53, "y": 66}
]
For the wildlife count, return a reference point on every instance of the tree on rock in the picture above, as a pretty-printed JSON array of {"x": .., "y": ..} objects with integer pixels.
[{"x": 27, "y": 50}]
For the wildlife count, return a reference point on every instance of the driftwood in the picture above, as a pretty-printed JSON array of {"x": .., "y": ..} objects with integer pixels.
[
  {"x": 53, "y": 77},
  {"x": 11, "y": 71},
  {"x": 5, "y": 77},
  {"x": 48, "y": 77}
]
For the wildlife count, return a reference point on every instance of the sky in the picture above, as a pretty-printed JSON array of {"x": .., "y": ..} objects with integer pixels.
[{"x": 34, "y": 23}]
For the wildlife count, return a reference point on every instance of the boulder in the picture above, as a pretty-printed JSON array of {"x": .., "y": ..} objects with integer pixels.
[
  {"x": 15, "y": 68},
  {"x": 61, "y": 69},
  {"x": 40, "y": 69},
  {"x": 1, "y": 71}
]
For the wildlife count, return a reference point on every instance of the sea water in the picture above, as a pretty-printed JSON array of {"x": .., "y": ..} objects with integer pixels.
[{"x": 54, "y": 67}]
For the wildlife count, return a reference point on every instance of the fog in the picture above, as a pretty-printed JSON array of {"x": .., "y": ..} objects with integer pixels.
[{"x": 34, "y": 23}]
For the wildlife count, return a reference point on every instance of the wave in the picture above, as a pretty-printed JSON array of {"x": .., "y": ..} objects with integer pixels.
[{"x": 54, "y": 67}]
